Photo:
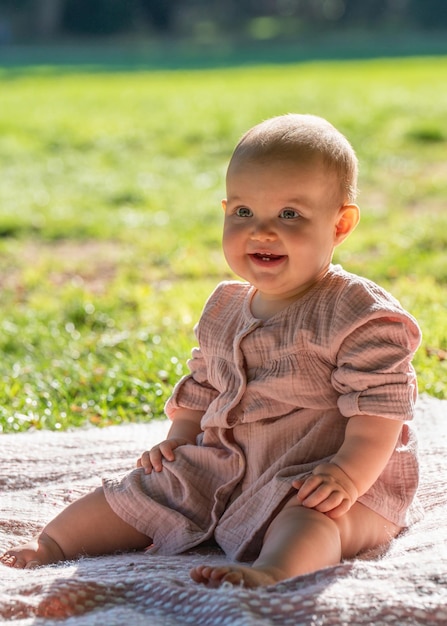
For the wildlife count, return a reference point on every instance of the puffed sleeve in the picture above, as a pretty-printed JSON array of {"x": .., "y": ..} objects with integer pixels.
[
  {"x": 193, "y": 391},
  {"x": 373, "y": 373}
]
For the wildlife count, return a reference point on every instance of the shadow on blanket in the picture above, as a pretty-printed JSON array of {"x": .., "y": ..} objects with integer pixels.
[{"x": 41, "y": 472}]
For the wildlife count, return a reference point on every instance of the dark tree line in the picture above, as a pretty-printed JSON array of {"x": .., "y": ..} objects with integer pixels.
[{"x": 53, "y": 18}]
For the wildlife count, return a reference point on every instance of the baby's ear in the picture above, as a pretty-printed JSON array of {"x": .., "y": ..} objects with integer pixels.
[
  {"x": 224, "y": 204},
  {"x": 347, "y": 219}
]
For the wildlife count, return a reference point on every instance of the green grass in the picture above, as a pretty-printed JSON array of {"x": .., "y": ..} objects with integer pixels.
[{"x": 110, "y": 219}]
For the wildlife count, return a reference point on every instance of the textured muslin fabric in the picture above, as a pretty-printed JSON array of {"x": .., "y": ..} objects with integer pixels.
[{"x": 277, "y": 395}]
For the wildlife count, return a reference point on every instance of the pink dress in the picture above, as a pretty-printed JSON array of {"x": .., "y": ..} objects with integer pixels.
[{"x": 277, "y": 395}]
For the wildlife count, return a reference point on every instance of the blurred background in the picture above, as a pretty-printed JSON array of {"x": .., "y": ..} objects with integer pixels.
[
  {"x": 117, "y": 120},
  {"x": 211, "y": 30}
]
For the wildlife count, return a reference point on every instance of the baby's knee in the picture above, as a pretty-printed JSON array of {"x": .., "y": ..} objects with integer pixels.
[
  {"x": 311, "y": 520},
  {"x": 363, "y": 529}
]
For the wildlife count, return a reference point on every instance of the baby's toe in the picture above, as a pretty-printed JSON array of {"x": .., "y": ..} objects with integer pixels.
[
  {"x": 32, "y": 564},
  {"x": 198, "y": 574},
  {"x": 234, "y": 577},
  {"x": 8, "y": 559}
]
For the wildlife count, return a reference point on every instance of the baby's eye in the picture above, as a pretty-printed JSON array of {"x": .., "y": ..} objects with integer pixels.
[
  {"x": 289, "y": 214},
  {"x": 244, "y": 211}
]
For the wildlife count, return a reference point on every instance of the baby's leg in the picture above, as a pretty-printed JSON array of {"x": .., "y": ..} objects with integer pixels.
[
  {"x": 300, "y": 541},
  {"x": 88, "y": 526}
]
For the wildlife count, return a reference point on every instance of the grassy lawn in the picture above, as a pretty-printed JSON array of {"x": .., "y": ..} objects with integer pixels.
[{"x": 110, "y": 219}]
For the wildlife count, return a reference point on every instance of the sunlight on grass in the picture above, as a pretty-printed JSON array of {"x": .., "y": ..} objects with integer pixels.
[{"x": 110, "y": 219}]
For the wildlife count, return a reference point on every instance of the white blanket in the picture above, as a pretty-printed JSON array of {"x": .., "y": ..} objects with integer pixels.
[{"x": 41, "y": 472}]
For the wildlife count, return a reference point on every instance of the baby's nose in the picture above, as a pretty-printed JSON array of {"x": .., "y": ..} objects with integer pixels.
[{"x": 263, "y": 231}]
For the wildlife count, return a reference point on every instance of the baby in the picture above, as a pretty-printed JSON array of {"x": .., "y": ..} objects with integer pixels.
[{"x": 290, "y": 444}]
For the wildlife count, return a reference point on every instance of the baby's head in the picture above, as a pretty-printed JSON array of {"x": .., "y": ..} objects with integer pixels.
[{"x": 302, "y": 139}]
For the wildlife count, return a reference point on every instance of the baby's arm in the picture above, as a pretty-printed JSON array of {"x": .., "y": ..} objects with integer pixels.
[
  {"x": 184, "y": 430},
  {"x": 334, "y": 487}
]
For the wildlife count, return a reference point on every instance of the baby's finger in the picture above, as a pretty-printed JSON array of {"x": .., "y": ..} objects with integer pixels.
[
  {"x": 156, "y": 457},
  {"x": 308, "y": 487},
  {"x": 145, "y": 462},
  {"x": 330, "y": 503},
  {"x": 323, "y": 498},
  {"x": 167, "y": 450},
  {"x": 339, "y": 510},
  {"x": 298, "y": 483}
]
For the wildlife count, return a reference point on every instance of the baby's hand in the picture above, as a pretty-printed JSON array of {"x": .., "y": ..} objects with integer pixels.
[
  {"x": 152, "y": 459},
  {"x": 327, "y": 490}
]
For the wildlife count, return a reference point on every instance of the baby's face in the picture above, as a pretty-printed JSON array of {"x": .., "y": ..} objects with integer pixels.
[{"x": 280, "y": 225}]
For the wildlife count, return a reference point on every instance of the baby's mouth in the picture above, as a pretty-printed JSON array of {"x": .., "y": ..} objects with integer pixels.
[{"x": 267, "y": 257}]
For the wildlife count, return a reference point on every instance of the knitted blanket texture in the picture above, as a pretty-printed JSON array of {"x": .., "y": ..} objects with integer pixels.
[{"x": 41, "y": 472}]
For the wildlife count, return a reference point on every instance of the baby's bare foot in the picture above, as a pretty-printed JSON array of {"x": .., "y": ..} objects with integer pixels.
[
  {"x": 41, "y": 550},
  {"x": 238, "y": 575}
]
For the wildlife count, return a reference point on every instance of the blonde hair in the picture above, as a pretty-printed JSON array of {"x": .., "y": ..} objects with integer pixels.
[{"x": 301, "y": 138}]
